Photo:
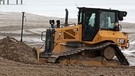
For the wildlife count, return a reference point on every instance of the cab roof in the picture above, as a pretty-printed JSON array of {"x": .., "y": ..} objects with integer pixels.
[{"x": 96, "y": 9}]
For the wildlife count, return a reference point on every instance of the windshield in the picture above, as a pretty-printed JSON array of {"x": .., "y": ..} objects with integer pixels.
[{"x": 107, "y": 20}]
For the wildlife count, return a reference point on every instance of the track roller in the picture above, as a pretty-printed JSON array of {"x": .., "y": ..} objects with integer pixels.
[{"x": 108, "y": 53}]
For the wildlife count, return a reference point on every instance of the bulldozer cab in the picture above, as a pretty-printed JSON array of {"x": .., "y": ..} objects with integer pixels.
[{"x": 95, "y": 19}]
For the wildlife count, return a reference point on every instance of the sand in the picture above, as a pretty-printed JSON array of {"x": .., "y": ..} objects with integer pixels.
[
  {"x": 10, "y": 25},
  {"x": 15, "y": 50}
]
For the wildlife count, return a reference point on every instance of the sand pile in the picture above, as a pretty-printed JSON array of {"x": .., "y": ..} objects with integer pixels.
[{"x": 15, "y": 50}]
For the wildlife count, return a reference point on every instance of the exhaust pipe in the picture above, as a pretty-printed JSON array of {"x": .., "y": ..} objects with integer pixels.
[{"x": 66, "y": 18}]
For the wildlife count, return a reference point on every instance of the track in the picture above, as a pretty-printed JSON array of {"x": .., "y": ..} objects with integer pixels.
[{"x": 73, "y": 51}]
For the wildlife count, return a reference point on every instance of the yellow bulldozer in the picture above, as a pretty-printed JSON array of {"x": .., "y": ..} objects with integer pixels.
[{"x": 95, "y": 40}]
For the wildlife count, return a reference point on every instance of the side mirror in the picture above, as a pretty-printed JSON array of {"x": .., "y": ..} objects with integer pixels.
[{"x": 121, "y": 14}]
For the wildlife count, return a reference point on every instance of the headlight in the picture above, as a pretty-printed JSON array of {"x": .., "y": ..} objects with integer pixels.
[
  {"x": 121, "y": 41},
  {"x": 75, "y": 30},
  {"x": 60, "y": 33}
]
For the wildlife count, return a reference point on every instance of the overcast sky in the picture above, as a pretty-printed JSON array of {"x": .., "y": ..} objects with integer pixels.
[{"x": 56, "y": 7}]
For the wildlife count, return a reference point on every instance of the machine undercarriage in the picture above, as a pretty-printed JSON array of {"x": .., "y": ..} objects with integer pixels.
[{"x": 97, "y": 55}]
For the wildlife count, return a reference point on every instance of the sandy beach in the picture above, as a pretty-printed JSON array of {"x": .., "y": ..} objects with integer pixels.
[{"x": 10, "y": 25}]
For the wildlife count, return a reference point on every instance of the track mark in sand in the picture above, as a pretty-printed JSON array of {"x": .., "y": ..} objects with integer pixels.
[{"x": 3, "y": 74}]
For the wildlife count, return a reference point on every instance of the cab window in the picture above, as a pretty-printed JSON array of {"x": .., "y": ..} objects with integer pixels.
[
  {"x": 92, "y": 20},
  {"x": 107, "y": 20},
  {"x": 89, "y": 19}
]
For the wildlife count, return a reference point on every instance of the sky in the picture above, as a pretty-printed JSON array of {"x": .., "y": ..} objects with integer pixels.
[{"x": 56, "y": 8}]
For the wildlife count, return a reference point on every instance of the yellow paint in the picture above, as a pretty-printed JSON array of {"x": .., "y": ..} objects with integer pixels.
[
  {"x": 38, "y": 53},
  {"x": 74, "y": 33},
  {"x": 57, "y": 49},
  {"x": 113, "y": 36}
]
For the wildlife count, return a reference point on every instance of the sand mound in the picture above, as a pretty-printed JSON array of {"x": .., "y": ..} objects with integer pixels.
[{"x": 15, "y": 50}]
